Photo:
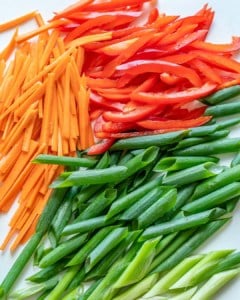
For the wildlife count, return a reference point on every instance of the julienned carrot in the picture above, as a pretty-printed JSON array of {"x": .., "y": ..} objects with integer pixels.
[
  {"x": 7, "y": 51},
  {"x": 42, "y": 75},
  {"x": 17, "y": 21}
]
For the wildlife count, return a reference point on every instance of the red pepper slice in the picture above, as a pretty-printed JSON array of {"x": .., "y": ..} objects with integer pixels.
[
  {"x": 154, "y": 14},
  {"x": 137, "y": 67},
  {"x": 112, "y": 5},
  {"x": 174, "y": 37},
  {"x": 218, "y": 60},
  {"x": 219, "y": 48},
  {"x": 99, "y": 101},
  {"x": 163, "y": 98},
  {"x": 123, "y": 135},
  {"x": 157, "y": 125},
  {"x": 135, "y": 114},
  {"x": 131, "y": 50},
  {"x": 101, "y": 147},
  {"x": 163, "y": 20},
  {"x": 79, "y": 6},
  {"x": 184, "y": 113},
  {"x": 97, "y": 22},
  {"x": 206, "y": 70},
  {"x": 180, "y": 58},
  {"x": 84, "y": 16},
  {"x": 115, "y": 127}
]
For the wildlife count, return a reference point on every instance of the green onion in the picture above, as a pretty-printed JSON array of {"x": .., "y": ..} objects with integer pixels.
[
  {"x": 191, "y": 141},
  {"x": 223, "y": 95},
  {"x": 163, "y": 205},
  {"x": 62, "y": 250},
  {"x": 126, "y": 201},
  {"x": 82, "y": 254},
  {"x": 164, "y": 284},
  {"x": 192, "y": 174},
  {"x": 96, "y": 176},
  {"x": 202, "y": 234},
  {"x": 65, "y": 160},
  {"x": 86, "y": 225},
  {"x": 98, "y": 205},
  {"x": 182, "y": 223},
  {"x": 175, "y": 163},
  {"x": 139, "y": 207},
  {"x": 220, "y": 146},
  {"x": 149, "y": 140},
  {"x": 228, "y": 176},
  {"x": 105, "y": 246},
  {"x": 197, "y": 274},
  {"x": 213, "y": 199},
  {"x": 214, "y": 284},
  {"x": 138, "y": 289},
  {"x": 139, "y": 266}
]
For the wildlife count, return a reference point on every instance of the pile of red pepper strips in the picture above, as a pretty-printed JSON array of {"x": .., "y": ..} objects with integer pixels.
[{"x": 147, "y": 77}]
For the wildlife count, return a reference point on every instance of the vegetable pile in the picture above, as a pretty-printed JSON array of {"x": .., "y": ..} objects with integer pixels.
[
  {"x": 124, "y": 227},
  {"x": 116, "y": 69},
  {"x": 111, "y": 134}
]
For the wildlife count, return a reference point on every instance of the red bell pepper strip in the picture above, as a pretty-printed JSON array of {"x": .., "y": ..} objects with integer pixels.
[
  {"x": 174, "y": 37},
  {"x": 155, "y": 125},
  {"x": 116, "y": 48},
  {"x": 185, "y": 41},
  {"x": 101, "y": 147},
  {"x": 219, "y": 48},
  {"x": 135, "y": 114},
  {"x": 100, "y": 83},
  {"x": 162, "y": 21},
  {"x": 99, "y": 101},
  {"x": 147, "y": 85},
  {"x": 123, "y": 135},
  {"x": 124, "y": 80},
  {"x": 154, "y": 14},
  {"x": 206, "y": 70},
  {"x": 97, "y": 22},
  {"x": 170, "y": 79},
  {"x": 218, "y": 60},
  {"x": 84, "y": 16},
  {"x": 180, "y": 58},
  {"x": 116, "y": 97},
  {"x": 184, "y": 113},
  {"x": 79, "y": 6},
  {"x": 163, "y": 98},
  {"x": 115, "y": 127},
  {"x": 95, "y": 113},
  {"x": 137, "y": 67},
  {"x": 124, "y": 56},
  {"x": 116, "y": 4}
]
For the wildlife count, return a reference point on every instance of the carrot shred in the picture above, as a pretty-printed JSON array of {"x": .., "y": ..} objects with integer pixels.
[{"x": 17, "y": 21}]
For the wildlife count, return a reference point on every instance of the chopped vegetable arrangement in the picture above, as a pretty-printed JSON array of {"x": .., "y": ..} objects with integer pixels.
[{"x": 111, "y": 136}]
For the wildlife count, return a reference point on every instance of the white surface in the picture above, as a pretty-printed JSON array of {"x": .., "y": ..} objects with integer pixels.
[{"x": 226, "y": 24}]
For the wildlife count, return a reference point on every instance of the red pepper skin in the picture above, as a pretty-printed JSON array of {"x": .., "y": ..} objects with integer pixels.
[
  {"x": 79, "y": 6},
  {"x": 206, "y": 70},
  {"x": 101, "y": 147},
  {"x": 116, "y": 127},
  {"x": 219, "y": 48},
  {"x": 124, "y": 135},
  {"x": 89, "y": 24},
  {"x": 99, "y": 101},
  {"x": 138, "y": 113},
  {"x": 114, "y": 5},
  {"x": 218, "y": 60},
  {"x": 163, "y": 98},
  {"x": 157, "y": 125},
  {"x": 137, "y": 67}
]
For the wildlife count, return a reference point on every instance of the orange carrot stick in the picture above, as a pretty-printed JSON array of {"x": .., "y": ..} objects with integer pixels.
[{"x": 17, "y": 21}]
